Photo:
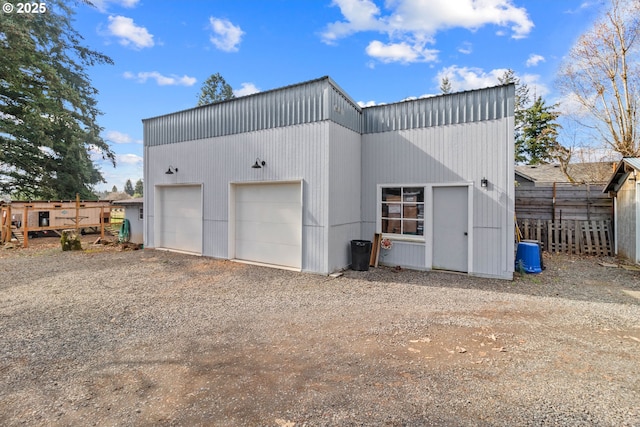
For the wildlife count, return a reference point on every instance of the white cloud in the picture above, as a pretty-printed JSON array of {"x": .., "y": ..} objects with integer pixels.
[
  {"x": 102, "y": 5},
  {"x": 466, "y": 48},
  {"x": 469, "y": 78},
  {"x": 118, "y": 137},
  {"x": 128, "y": 159},
  {"x": 128, "y": 166},
  {"x": 400, "y": 52},
  {"x": 367, "y": 104},
  {"x": 360, "y": 15},
  {"x": 569, "y": 105},
  {"x": 246, "y": 89},
  {"x": 160, "y": 79},
  {"x": 129, "y": 33},
  {"x": 413, "y": 22},
  {"x": 583, "y": 6},
  {"x": 534, "y": 59},
  {"x": 226, "y": 36}
]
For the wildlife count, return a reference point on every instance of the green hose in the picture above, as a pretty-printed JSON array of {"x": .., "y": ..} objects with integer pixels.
[{"x": 125, "y": 231}]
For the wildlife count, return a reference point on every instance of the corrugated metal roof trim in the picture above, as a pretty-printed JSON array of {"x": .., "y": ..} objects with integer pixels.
[
  {"x": 308, "y": 102},
  {"x": 322, "y": 99},
  {"x": 634, "y": 162},
  {"x": 461, "y": 107},
  {"x": 262, "y": 93}
]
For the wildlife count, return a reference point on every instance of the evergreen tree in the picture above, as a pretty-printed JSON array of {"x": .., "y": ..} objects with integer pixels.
[
  {"x": 215, "y": 89},
  {"x": 539, "y": 133},
  {"x": 520, "y": 106},
  {"x": 128, "y": 187},
  {"x": 445, "y": 85},
  {"x": 139, "y": 190},
  {"x": 114, "y": 189},
  {"x": 48, "y": 109}
]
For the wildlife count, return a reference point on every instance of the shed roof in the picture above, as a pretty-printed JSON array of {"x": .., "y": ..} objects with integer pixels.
[
  {"x": 592, "y": 172},
  {"x": 624, "y": 168},
  {"x": 136, "y": 201}
]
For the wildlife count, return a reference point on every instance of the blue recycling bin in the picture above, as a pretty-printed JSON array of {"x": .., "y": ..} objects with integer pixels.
[{"x": 528, "y": 257}]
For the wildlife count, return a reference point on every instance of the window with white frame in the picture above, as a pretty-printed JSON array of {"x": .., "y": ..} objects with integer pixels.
[
  {"x": 402, "y": 211},
  {"x": 140, "y": 213}
]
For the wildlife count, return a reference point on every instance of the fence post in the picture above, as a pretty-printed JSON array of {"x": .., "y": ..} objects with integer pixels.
[
  {"x": 25, "y": 227},
  {"x": 101, "y": 222},
  {"x": 77, "y": 211}
]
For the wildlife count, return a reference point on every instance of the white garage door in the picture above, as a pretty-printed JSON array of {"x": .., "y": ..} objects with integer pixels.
[
  {"x": 268, "y": 223},
  {"x": 178, "y": 218}
]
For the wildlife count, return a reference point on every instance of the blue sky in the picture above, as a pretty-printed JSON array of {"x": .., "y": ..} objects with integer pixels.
[{"x": 377, "y": 51}]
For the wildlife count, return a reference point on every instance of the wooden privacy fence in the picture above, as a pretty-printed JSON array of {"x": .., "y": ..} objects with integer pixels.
[
  {"x": 569, "y": 236},
  {"x": 563, "y": 201},
  {"x": 565, "y": 217}
]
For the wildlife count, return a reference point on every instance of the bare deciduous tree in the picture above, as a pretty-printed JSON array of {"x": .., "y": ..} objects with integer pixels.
[{"x": 601, "y": 73}]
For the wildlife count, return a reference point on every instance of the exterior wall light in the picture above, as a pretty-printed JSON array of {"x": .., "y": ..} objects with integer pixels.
[
  {"x": 171, "y": 170},
  {"x": 484, "y": 182},
  {"x": 258, "y": 164}
]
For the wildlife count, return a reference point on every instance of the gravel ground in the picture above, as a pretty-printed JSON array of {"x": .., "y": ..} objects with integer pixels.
[{"x": 109, "y": 337}]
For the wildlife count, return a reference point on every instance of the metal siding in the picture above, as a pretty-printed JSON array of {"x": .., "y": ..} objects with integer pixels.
[
  {"x": 405, "y": 254},
  {"x": 291, "y": 153},
  {"x": 450, "y": 154},
  {"x": 132, "y": 213},
  {"x": 294, "y": 105},
  {"x": 626, "y": 220},
  {"x": 344, "y": 187},
  {"x": 458, "y": 108},
  {"x": 215, "y": 238}
]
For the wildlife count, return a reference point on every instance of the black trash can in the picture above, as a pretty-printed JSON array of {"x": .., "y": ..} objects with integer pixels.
[{"x": 360, "y": 254}]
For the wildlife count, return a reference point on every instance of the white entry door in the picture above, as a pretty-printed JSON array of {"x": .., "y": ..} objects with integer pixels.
[
  {"x": 178, "y": 218},
  {"x": 450, "y": 228},
  {"x": 268, "y": 223}
]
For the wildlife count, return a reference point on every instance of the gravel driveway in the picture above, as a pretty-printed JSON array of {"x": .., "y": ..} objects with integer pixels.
[{"x": 108, "y": 337}]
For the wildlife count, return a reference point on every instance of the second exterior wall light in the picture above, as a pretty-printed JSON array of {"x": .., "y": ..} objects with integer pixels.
[{"x": 259, "y": 163}]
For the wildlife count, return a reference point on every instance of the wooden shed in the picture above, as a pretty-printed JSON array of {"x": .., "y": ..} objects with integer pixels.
[
  {"x": 624, "y": 187},
  {"x": 134, "y": 213},
  {"x": 21, "y": 219}
]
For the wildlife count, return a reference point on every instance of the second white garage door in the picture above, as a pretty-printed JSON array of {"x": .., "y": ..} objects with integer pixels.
[{"x": 268, "y": 223}]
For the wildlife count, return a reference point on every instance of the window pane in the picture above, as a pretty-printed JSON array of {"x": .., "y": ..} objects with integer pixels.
[
  {"x": 415, "y": 194},
  {"x": 391, "y": 195},
  {"x": 415, "y": 228},
  {"x": 394, "y": 210},
  {"x": 391, "y": 226},
  {"x": 410, "y": 211}
]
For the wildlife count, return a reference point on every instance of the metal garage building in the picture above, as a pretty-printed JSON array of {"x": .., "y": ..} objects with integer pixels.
[{"x": 290, "y": 176}]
